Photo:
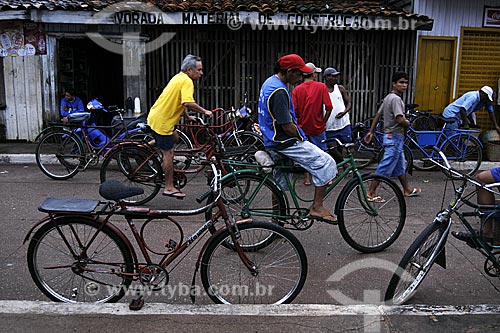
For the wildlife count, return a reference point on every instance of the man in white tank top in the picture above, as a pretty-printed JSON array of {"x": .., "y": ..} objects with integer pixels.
[{"x": 338, "y": 124}]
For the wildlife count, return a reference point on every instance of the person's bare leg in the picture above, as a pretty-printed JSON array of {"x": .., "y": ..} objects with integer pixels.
[
  {"x": 486, "y": 198},
  {"x": 407, "y": 189},
  {"x": 372, "y": 190},
  {"x": 317, "y": 208},
  {"x": 168, "y": 170}
]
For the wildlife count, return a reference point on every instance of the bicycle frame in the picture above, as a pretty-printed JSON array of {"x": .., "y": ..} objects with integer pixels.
[
  {"x": 226, "y": 128},
  {"x": 290, "y": 178},
  {"x": 440, "y": 140},
  {"x": 460, "y": 200},
  {"x": 103, "y": 211}
]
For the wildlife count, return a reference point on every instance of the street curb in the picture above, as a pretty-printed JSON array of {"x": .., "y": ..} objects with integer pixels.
[
  {"x": 30, "y": 159},
  {"x": 17, "y": 159},
  {"x": 306, "y": 310}
]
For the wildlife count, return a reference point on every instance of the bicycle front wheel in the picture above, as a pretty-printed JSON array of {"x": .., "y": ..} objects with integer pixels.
[
  {"x": 74, "y": 260},
  {"x": 416, "y": 263},
  {"x": 464, "y": 153},
  {"x": 281, "y": 267},
  {"x": 371, "y": 226},
  {"x": 135, "y": 166},
  {"x": 59, "y": 154}
]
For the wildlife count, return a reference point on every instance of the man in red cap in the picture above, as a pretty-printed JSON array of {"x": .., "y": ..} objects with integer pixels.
[{"x": 282, "y": 135}]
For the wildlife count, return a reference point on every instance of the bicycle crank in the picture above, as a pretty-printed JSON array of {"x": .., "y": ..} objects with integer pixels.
[
  {"x": 180, "y": 180},
  {"x": 153, "y": 276},
  {"x": 300, "y": 219}
]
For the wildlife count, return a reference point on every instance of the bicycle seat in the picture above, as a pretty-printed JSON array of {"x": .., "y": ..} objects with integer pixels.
[
  {"x": 78, "y": 117},
  {"x": 446, "y": 120},
  {"x": 116, "y": 191}
]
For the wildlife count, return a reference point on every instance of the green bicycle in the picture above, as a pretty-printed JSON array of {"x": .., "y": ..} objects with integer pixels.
[{"x": 366, "y": 225}]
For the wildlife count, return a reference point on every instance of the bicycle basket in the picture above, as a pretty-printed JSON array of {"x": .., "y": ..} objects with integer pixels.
[
  {"x": 427, "y": 138},
  {"x": 78, "y": 117}
]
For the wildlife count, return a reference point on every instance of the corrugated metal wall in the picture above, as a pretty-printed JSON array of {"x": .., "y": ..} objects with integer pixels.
[
  {"x": 239, "y": 61},
  {"x": 450, "y": 15},
  {"x": 479, "y": 64}
]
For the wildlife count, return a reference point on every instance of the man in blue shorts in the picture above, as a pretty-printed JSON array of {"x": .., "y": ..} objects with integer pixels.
[
  {"x": 393, "y": 163},
  {"x": 338, "y": 125},
  {"x": 484, "y": 198},
  {"x": 282, "y": 134},
  {"x": 461, "y": 109}
]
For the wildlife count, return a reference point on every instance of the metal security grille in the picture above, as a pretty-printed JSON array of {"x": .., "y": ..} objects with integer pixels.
[
  {"x": 479, "y": 64},
  {"x": 239, "y": 61}
]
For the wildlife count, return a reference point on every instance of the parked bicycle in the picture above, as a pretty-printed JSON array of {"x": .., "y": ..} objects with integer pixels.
[
  {"x": 230, "y": 125},
  {"x": 368, "y": 225},
  {"x": 463, "y": 149},
  {"x": 140, "y": 164},
  {"x": 367, "y": 153},
  {"x": 63, "y": 150},
  {"x": 76, "y": 254},
  {"x": 421, "y": 120},
  {"x": 429, "y": 247}
]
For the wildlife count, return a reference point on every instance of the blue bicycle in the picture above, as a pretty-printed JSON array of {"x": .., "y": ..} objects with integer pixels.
[
  {"x": 463, "y": 149},
  {"x": 65, "y": 149}
]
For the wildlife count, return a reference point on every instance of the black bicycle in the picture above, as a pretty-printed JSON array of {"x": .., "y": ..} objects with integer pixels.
[{"x": 429, "y": 247}]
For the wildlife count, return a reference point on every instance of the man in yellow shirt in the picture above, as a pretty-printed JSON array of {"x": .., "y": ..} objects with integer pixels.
[{"x": 166, "y": 112}]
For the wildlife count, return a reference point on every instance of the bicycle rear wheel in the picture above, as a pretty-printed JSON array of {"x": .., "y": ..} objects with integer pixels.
[
  {"x": 69, "y": 265},
  {"x": 137, "y": 166},
  {"x": 416, "y": 263},
  {"x": 183, "y": 147},
  {"x": 364, "y": 154},
  {"x": 371, "y": 226},
  {"x": 424, "y": 122},
  {"x": 59, "y": 154},
  {"x": 281, "y": 267},
  {"x": 464, "y": 153}
]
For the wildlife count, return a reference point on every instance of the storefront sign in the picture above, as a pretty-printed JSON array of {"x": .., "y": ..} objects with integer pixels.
[
  {"x": 491, "y": 17},
  {"x": 235, "y": 20}
]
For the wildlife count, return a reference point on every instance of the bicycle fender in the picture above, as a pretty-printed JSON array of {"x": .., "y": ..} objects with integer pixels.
[
  {"x": 50, "y": 129},
  {"x": 35, "y": 226},
  {"x": 470, "y": 137},
  {"x": 122, "y": 145},
  {"x": 112, "y": 227}
]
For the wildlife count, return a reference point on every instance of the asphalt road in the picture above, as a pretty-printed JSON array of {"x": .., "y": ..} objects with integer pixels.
[{"x": 338, "y": 275}]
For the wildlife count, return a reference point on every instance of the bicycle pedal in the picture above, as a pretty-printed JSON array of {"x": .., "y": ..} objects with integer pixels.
[{"x": 136, "y": 304}]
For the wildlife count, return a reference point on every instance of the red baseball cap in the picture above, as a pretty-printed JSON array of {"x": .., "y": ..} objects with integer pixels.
[{"x": 294, "y": 61}]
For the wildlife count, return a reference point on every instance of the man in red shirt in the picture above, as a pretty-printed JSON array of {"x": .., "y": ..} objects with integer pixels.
[{"x": 308, "y": 100}]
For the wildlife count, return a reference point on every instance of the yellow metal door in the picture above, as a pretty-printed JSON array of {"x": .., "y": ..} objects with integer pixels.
[{"x": 434, "y": 73}]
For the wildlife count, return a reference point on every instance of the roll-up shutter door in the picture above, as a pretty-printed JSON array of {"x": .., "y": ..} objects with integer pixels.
[{"x": 479, "y": 64}]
